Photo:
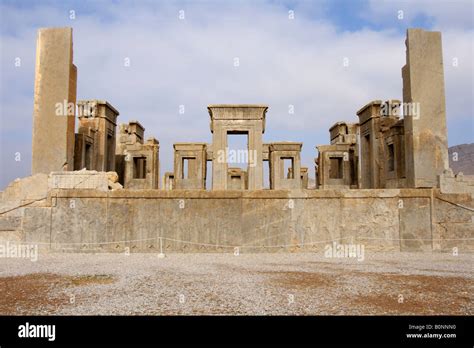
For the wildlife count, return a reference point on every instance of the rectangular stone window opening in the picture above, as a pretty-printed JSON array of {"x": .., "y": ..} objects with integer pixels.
[
  {"x": 288, "y": 163},
  {"x": 352, "y": 167},
  {"x": 391, "y": 158},
  {"x": 335, "y": 169},
  {"x": 238, "y": 150},
  {"x": 110, "y": 152},
  {"x": 266, "y": 175},
  {"x": 88, "y": 156},
  {"x": 185, "y": 168},
  {"x": 367, "y": 161},
  {"x": 139, "y": 167},
  {"x": 208, "y": 175}
]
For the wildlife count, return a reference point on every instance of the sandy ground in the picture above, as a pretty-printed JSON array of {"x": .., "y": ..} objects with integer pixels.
[{"x": 248, "y": 284}]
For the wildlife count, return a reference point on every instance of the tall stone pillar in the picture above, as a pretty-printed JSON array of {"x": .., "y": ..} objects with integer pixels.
[
  {"x": 54, "y": 102},
  {"x": 255, "y": 169},
  {"x": 426, "y": 148},
  {"x": 219, "y": 166}
]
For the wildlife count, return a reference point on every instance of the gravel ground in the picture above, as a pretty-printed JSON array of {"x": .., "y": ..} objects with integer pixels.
[{"x": 248, "y": 284}]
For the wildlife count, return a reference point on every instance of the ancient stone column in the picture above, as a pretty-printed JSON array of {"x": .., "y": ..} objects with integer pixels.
[
  {"x": 54, "y": 102},
  {"x": 426, "y": 148}
]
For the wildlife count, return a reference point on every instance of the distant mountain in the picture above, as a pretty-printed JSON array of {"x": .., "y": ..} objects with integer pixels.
[{"x": 465, "y": 158}]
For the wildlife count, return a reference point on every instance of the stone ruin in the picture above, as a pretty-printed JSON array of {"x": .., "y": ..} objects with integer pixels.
[
  {"x": 382, "y": 150},
  {"x": 397, "y": 148}
]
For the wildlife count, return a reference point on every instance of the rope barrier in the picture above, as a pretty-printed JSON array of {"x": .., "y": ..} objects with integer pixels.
[
  {"x": 417, "y": 238},
  {"x": 237, "y": 246}
]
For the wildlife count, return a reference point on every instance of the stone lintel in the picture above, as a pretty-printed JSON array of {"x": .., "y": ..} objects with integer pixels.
[
  {"x": 237, "y": 112},
  {"x": 235, "y": 170},
  {"x": 342, "y": 128},
  {"x": 285, "y": 146},
  {"x": 98, "y": 102},
  {"x": 135, "y": 124},
  {"x": 189, "y": 146},
  {"x": 152, "y": 141},
  {"x": 343, "y": 123},
  {"x": 368, "y": 111},
  {"x": 333, "y": 147}
]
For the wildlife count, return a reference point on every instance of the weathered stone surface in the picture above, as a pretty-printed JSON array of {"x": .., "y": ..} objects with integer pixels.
[
  {"x": 55, "y": 85},
  {"x": 278, "y": 152},
  {"x": 460, "y": 183},
  {"x": 426, "y": 146},
  {"x": 304, "y": 177},
  {"x": 456, "y": 237},
  {"x": 415, "y": 225},
  {"x": 95, "y": 141},
  {"x": 113, "y": 178},
  {"x": 236, "y": 179},
  {"x": 253, "y": 221},
  {"x": 16, "y": 236},
  {"x": 337, "y": 165},
  {"x": 248, "y": 119},
  {"x": 36, "y": 226},
  {"x": 10, "y": 223},
  {"x": 28, "y": 188},
  {"x": 168, "y": 181},
  {"x": 195, "y": 156},
  {"x": 369, "y": 117},
  {"x": 138, "y": 163},
  {"x": 82, "y": 179},
  {"x": 90, "y": 228},
  {"x": 382, "y": 146},
  {"x": 453, "y": 207}
]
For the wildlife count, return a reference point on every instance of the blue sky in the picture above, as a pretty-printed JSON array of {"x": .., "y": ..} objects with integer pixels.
[{"x": 283, "y": 62}]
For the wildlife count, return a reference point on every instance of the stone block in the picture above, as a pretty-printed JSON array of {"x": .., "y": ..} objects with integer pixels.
[{"x": 82, "y": 179}]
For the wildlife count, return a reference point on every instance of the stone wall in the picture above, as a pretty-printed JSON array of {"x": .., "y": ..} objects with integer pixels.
[
  {"x": 82, "y": 179},
  {"x": 258, "y": 221},
  {"x": 459, "y": 183}
]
